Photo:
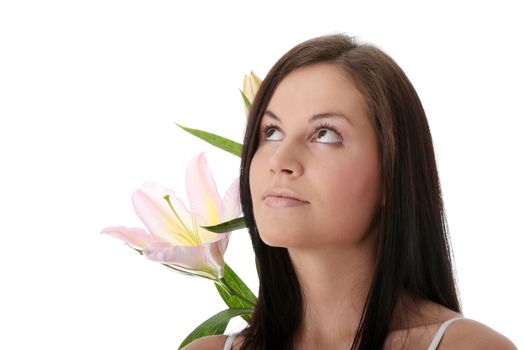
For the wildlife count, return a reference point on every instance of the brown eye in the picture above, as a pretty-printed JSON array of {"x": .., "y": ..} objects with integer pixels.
[
  {"x": 325, "y": 129},
  {"x": 268, "y": 131}
]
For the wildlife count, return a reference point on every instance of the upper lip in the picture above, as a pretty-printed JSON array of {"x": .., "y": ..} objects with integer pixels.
[{"x": 282, "y": 192}]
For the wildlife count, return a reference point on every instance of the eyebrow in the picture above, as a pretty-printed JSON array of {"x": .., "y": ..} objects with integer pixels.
[{"x": 314, "y": 117}]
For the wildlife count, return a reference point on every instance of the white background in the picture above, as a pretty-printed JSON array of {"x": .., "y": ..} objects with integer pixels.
[{"x": 90, "y": 92}]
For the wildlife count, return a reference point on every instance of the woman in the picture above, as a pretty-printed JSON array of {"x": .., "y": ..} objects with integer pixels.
[{"x": 340, "y": 192}]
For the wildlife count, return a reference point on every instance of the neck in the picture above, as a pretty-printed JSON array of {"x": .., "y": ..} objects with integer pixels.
[{"x": 335, "y": 282}]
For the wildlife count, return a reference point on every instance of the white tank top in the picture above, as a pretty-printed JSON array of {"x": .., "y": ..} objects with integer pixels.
[{"x": 433, "y": 344}]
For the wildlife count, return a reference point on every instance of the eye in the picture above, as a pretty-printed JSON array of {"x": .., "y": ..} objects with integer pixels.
[
  {"x": 265, "y": 130},
  {"x": 325, "y": 129}
]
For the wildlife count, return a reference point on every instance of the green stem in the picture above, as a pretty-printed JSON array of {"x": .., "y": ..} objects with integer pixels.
[{"x": 189, "y": 273}]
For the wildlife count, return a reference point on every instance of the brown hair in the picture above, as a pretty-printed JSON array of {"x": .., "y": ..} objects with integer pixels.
[{"x": 413, "y": 247}]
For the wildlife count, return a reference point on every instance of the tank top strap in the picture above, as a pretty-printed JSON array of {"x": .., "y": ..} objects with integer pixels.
[
  {"x": 229, "y": 342},
  {"x": 441, "y": 331}
]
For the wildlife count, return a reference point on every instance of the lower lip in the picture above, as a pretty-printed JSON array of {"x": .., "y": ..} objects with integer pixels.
[{"x": 282, "y": 202}]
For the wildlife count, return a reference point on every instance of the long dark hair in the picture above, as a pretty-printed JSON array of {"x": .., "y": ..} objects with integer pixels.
[{"x": 413, "y": 244}]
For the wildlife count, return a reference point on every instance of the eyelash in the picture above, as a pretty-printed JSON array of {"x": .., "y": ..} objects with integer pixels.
[{"x": 322, "y": 126}]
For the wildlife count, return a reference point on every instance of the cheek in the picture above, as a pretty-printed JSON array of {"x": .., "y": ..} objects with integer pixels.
[
  {"x": 355, "y": 183},
  {"x": 351, "y": 199}
]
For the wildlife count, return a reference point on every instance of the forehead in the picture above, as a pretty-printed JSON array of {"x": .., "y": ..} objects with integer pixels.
[{"x": 318, "y": 88}]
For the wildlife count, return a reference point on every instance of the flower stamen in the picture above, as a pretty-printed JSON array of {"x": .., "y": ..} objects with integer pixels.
[{"x": 190, "y": 235}]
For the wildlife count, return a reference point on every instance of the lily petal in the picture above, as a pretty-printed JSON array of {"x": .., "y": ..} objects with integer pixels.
[
  {"x": 206, "y": 259},
  {"x": 134, "y": 236},
  {"x": 215, "y": 253},
  {"x": 159, "y": 218},
  {"x": 231, "y": 203},
  {"x": 202, "y": 192}
]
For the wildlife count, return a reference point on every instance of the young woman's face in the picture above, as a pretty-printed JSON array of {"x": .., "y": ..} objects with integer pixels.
[{"x": 330, "y": 162}]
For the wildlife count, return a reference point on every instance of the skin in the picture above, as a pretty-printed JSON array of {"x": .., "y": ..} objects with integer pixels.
[{"x": 332, "y": 239}]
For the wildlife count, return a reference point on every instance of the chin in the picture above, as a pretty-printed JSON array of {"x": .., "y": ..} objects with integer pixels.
[
  {"x": 273, "y": 241},
  {"x": 281, "y": 239}
]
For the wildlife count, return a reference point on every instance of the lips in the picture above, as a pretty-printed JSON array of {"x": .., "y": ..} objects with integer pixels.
[
  {"x": 283, "y": 202},
  {"x": 283, "y": 193}
]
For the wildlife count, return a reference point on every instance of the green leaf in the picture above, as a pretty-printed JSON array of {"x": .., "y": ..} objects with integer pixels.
[
  {"x": 247, "y": 102},
  {"x": 223, "y": 143},
  {"x": 232, "y": 225},
  {"x": 235, "y": 292},
  {"x": 214, "y": 325}
]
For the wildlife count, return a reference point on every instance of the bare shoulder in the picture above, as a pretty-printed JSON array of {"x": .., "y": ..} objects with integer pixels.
[
  {"x": 212, "y": 342},
  {"x": 470, "y": 334}
]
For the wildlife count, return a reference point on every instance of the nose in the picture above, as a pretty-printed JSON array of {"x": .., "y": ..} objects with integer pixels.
[{"x": 285, "y": 160}]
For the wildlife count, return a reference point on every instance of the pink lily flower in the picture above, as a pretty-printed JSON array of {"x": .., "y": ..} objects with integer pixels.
[{"x": 173, "y": 234}]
